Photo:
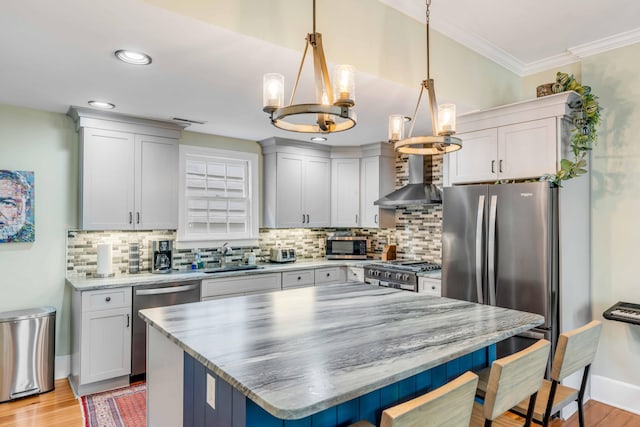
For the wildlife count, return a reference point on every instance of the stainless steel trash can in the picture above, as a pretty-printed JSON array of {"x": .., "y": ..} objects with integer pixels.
[{"x": 27, "y": 349}]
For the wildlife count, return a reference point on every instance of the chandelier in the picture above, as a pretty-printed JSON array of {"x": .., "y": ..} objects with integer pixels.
[
  {"x": 441, "y": 140},
  {"x": 332, "y": 110}
]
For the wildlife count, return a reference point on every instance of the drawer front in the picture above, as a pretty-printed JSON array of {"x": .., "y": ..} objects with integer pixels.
[
  {"x": 241, "y": 285},
  {"x": 329, "y": 275},
  {"x": 430, "y": 286},
  {"x": 295, "y": 279},
  {"x": 355, "y": 274},
  {"x": 106, "y": 299}
]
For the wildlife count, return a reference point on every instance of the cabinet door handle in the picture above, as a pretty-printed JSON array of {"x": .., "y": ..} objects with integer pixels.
[
  {"x": 328, "y": 274},
  {"x": 130, "y": 217},
  {"x": 128, "y": 321},
  {"x": 493, "y": 166},
  {"x": 299, "y": 278},
  {"x": 307, "y": 218},
  {"x": 375, "y": 219},
  {"x": 107, "y": 299},
  {"x": 137, "y": 217},
  {"x": 356, "y": 219},
  {"x": 303, "y": 218},
  {"x": 500, "y": 166}
]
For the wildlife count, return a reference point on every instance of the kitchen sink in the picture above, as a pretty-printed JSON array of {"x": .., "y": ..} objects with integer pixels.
[{"x": 231, "y": 268}]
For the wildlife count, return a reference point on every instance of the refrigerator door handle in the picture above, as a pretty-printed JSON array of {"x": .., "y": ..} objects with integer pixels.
[
  {"x": 479, "y": 219},
  {"x": 491, "y": 250}
]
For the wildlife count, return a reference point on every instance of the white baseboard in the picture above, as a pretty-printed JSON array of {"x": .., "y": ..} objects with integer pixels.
[
  {"x": 62, "y": 366},
  {"x": 616, "y": 393}
]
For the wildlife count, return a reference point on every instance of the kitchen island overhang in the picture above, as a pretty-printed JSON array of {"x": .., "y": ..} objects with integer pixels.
[{"x": 300, "y": 352}]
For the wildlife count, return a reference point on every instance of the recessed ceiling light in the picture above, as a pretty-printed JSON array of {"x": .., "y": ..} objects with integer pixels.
[
  {"x": 132, "y": 57},
  {"x": 102, "y": 104},
  {"x": 318, "y": 138}
]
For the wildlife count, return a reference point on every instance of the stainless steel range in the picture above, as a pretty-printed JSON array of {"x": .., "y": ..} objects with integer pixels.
[{"x": 397, "y": 274}]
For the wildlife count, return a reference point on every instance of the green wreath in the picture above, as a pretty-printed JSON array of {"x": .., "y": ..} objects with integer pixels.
[{"x": 586, "y": 118}]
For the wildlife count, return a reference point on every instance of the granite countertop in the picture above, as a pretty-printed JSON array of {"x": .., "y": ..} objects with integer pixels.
[
  {"x": 300, "y": 351},
  {"x": 86, "y": 284}
]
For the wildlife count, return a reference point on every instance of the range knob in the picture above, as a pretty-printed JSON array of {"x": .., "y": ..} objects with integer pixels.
[
  {"x": 405, "y": 276},
  {"x": 376, "y": 273},
  {"x": 398, "y": 276},
  {"x": 387, "y": 274}
]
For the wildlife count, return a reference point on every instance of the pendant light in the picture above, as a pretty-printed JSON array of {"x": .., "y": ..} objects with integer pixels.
[
  {"x": 441, "y": 141},
  {"x": 332, "y": 110}
]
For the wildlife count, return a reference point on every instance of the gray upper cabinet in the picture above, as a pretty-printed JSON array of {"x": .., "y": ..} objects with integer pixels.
[
  {"x": 128, "y": 172},
  {"x": 297, "y": 184},
  {"x": 524, "y": 140}
]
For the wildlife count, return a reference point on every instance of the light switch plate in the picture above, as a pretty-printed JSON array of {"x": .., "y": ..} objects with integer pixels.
[{"x": 211, "y": 391}]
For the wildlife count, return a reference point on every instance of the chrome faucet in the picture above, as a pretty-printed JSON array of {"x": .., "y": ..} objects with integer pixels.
[{"x": 225, "y": 251}]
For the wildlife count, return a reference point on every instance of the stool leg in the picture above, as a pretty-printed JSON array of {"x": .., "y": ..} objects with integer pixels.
[
  {"x": 583, "y": 386},
  {"x": 532, "y": 405},
  {"x": 552, "y": 395}
]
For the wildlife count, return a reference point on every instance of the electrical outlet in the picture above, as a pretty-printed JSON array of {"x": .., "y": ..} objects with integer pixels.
[{"x": 211, "y": 391}]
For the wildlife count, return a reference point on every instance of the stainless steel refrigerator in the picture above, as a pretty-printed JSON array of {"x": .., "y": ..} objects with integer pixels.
[{"x": 500, "y": 247}]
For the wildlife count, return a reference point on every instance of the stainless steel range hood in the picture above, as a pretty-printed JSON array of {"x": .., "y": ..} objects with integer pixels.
[{"x": 417, "y": 191}]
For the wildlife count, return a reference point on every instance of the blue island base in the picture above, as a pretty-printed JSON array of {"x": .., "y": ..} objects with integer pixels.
[{"x": 233, "y": 409}]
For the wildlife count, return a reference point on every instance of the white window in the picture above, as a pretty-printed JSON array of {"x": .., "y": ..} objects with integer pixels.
[{"x": 218, "y": 195}]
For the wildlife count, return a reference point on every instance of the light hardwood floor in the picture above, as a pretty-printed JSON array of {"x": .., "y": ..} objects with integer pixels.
[{"x": 59, "y": 408}]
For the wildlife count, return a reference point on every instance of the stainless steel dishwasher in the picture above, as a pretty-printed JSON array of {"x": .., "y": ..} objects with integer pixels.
[{"x": 149, "y": 296}]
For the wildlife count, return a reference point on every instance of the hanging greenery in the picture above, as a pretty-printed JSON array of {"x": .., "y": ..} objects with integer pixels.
[{"x": 583, "y": 135}]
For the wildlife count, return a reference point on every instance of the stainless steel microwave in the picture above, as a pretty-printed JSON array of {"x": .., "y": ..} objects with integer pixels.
[{"x": 346, "y": 247}]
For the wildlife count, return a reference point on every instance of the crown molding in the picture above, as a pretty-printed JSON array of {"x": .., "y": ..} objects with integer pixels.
[
  {"x": 501, "y": 57},
  {"x": 606, "y": 44},
  {"x": 545, "y": 64}
]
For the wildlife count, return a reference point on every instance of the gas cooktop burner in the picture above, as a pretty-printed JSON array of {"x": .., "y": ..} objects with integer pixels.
[{"x": 417, "y": 266}]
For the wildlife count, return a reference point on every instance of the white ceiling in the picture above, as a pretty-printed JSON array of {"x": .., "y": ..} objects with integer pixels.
[{"x": 60, "y": 53}]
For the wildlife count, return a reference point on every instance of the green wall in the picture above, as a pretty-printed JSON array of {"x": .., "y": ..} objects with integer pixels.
[
  {"x": 33, "y": 274},
  {"x": 615, "y": 206}
]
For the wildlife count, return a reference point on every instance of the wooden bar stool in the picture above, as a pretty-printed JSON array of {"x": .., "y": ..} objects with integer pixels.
[
  {"x": 576, "y": 350},
  {"x": 449, "y": 405},
  {"x": 511, "y": 379}
]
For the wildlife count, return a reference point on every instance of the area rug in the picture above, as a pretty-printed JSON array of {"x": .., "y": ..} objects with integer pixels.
[{"x": 124, "y": 407}]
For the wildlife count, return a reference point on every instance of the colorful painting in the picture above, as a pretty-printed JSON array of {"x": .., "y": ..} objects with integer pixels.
[{"x": 16, "y": 206}]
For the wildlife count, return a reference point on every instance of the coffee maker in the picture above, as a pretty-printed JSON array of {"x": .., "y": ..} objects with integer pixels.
[{"x": 161, "y": 250}]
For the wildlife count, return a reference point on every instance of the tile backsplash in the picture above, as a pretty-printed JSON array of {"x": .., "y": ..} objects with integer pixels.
[{"x": 417, "y": 234}]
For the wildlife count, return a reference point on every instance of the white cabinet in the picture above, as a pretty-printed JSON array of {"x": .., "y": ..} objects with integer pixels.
[
  {"x": 218, "y": 195},
  {"x": 101, "y": 339},
  {"x": 518, "y": 151},
  {"x": 359, "y": 177},
  {"x": 377, "y": 179},
  {"x": 430, "y": 286},
  {"x": 345, "y": 192},
  {"x": 128, "y": 172},
  {"x": 355, "y": 274},
  {"x": 519, "y": 141},
  {"x": 224, "y": 287},
  {"x": 298, "y": 279},
  {"x": 297, "y": 185},
  {"x": 330, "y": 275}
]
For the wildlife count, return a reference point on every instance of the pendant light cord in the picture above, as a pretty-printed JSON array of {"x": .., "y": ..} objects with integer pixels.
[
  {"x": 314, "y": 16},
  {"x": 427, "y": 15}
]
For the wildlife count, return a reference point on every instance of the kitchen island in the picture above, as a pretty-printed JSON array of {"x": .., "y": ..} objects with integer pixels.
[{"x": 331, "y": 354}]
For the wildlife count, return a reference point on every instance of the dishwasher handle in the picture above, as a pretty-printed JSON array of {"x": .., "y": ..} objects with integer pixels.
[{"x": 166, "y": 290}]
